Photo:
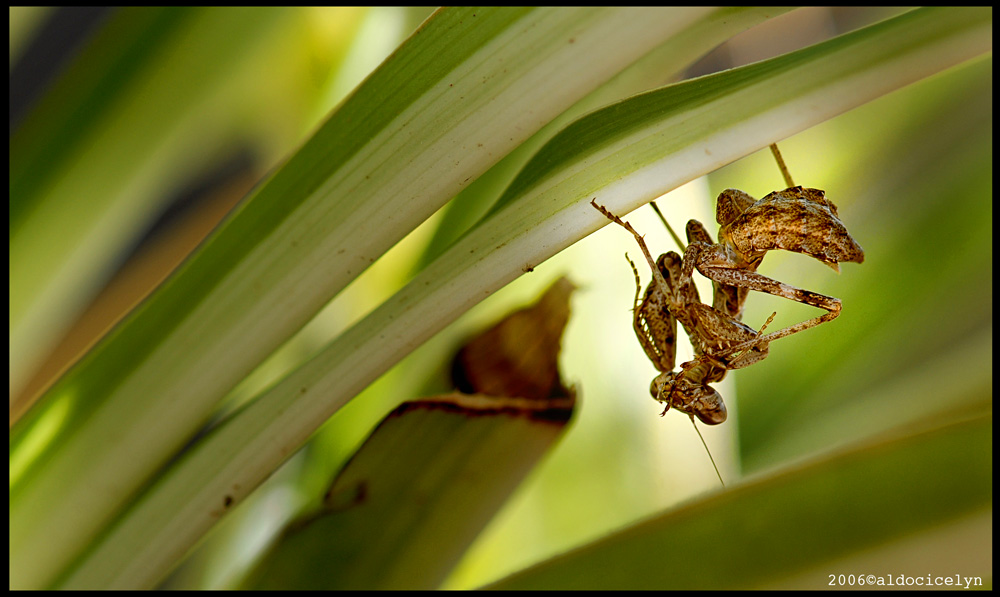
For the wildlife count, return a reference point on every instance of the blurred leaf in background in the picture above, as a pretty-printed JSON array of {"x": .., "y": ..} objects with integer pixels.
[{"x": 136, "y": 76}]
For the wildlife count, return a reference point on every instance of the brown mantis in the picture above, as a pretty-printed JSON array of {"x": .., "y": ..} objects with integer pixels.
[
  {"x": 655, "y": 317},
  {"x": 795, "y": 219}
]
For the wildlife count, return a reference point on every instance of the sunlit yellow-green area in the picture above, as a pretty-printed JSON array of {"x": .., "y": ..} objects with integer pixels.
[{"x": 910, "y": 172}]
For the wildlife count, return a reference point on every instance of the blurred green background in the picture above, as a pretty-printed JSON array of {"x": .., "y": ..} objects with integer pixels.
[{"x": 911, "y": 174}]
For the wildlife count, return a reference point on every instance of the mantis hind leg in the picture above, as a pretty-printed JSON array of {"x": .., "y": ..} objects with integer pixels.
[{"x": 761, "y": 283}]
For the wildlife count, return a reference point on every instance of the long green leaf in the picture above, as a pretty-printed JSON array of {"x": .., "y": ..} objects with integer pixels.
[
  {"x": 416, "y": 494},
  {"x": 657, "y": 68},
  {"x": 465, "y": 89},
  {"x": 624, "y": 155},
  {"x": 853, "y": 504}
]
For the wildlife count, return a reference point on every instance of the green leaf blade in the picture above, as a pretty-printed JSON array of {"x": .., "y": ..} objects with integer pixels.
[
  {"x": 798, "y": 519},
  {"x": 416, "y": 494}
]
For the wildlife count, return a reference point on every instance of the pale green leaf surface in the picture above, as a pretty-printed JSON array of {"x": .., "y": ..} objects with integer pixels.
[
  {"x": 778, "y": 525},
  {"x": 415, "y": 495},
  {"x": 436, "y": 114},
  {"x": 624, "y": 155},
  {"x": 659, "y": 67}
]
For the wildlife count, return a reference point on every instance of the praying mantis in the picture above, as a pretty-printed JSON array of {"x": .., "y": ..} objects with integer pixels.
[{"x": 795, "y": 219}]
